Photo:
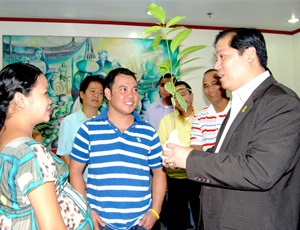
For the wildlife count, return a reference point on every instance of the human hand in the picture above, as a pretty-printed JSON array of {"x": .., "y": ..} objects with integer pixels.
[
  {"x": 148, "y": 220},
  {"x": 176, "y": 157},
  {"x": 97, "y": 220}
]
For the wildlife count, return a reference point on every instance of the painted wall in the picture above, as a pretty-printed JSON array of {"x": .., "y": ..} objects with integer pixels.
[
  {"x": 296, "y": 59},
  {"x": 283, "y": 50}
]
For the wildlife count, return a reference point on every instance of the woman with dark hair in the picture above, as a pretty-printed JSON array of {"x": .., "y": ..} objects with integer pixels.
[{"x": 35, "y": 193}]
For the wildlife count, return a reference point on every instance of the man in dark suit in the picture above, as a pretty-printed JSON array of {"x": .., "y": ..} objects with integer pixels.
[{"x": 252, "y": 175}]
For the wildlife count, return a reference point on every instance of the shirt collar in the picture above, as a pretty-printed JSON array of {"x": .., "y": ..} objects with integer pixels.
[
  {"x": 179, "y": 115},
  {"x": 212, "y": 110},
  {"x": 83, "y": 116},
  {"x": 244, "y": 92},
  {"x": 103, "y": 116},
  {"x": 160, "y": 104}
]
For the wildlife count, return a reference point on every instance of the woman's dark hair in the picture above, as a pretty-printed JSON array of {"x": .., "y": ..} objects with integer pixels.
[
  {"x": 16, "y": 77},
  {"x": 85, "y": 83}
]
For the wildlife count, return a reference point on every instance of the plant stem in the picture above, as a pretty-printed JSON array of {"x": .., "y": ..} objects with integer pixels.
[
  {"x": 173, "y": 78},
  {"x": 174, "y": 113}
]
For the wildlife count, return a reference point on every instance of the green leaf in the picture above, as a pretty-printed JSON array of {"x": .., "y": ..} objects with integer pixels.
[
  {"x": 189, "y": 50},
  {"x": 156, "y": 42},
  {"x": 157, "y": 12},
  {"x": 193, "y": 59},
  {"x": 182, "y": 75},
  {"x": 170, "y": 88},
  {"x": 179, "y": 38},
  {"x": 145, "y": 71},
  {"x": 166, "y": 64},
  {"x": 173, "y": 101},
  {"x": 163, "y": 71},
  {"x": 174, "y": 21},
  {"x": 152, "y": 36},
  {"x": 174, "y": 29},
  {"x": 181, "y": 101},
  {"x": 164, "y": 67},
  {"x": 152, "y": 29},
  {"x": 176, "y": 78}
]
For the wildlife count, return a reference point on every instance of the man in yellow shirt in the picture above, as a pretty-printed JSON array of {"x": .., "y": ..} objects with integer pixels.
[{"x": 181, "y": 191}]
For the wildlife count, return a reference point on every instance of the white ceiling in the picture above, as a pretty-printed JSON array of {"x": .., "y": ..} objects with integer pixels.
[{"x": 265, "y": 14}]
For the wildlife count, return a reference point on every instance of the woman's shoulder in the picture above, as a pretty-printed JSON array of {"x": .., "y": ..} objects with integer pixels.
[
  {"x": 17, "y": 144},
  {"x": 22, "y": 146}
]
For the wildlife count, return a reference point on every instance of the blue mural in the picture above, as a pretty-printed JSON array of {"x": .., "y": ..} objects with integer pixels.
[{"x": 66, "y": 61}]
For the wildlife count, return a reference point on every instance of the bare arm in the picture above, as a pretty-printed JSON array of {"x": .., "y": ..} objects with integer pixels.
[
  {"x": 76, "y": 177},
  {"x": 44, "y": 202},
  {"x": 67, "y": 160},
  {"x": 159, "y": 188},
  {"x": 77, "y": 181}
]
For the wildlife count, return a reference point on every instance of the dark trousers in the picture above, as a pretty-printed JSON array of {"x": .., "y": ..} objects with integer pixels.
[{"x": 180, "y": 193}]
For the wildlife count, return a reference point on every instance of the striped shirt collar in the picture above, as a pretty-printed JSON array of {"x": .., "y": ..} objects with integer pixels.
[{"x": 103, "y": 116}]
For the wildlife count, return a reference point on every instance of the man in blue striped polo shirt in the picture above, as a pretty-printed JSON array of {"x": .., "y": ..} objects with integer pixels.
[{"x": 120, "y": 149}]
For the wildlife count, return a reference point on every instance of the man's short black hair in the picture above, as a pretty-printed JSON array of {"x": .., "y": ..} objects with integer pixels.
[
  {"x": 210, "y": 70},
  {"x": 110, "y": 78},
  {"x": 243, "y": 38},
  {"x": 85, "y": 83},
  {"x": 167, "y": 75},
  {"x": 185, "y": 84}
]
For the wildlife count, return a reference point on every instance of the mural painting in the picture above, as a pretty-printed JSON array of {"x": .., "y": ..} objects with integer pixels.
[{"x": 66, "y": 61}]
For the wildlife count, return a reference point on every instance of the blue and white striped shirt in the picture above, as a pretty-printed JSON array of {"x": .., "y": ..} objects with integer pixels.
[{"x": 118, "y": 168}]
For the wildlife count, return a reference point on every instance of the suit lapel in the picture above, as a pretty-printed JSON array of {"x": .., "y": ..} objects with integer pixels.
[
  {"x": 222, "y": 127},
  {"x": 246, "y": 108},
  {"x": 238, "y": 119}
]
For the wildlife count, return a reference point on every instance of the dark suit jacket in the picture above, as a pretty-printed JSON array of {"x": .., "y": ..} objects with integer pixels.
[{"x": 254, "y": 180}]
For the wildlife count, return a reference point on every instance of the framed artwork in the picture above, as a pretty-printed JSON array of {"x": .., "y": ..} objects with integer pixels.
[{"x": 66, "y": 61}]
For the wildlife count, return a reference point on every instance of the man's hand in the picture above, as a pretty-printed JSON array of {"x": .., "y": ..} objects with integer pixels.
[
  {"x": 148, "y": 220},
  {"x": 97, "y": 220},
  {"x": 177, "y": 157}
]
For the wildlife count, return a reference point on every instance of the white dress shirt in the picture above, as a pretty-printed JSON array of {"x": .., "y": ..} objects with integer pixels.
[{"x": 239, "y": 97}]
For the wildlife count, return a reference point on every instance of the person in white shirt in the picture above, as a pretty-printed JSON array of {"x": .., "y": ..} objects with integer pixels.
[{"x": 207, "y": 122}]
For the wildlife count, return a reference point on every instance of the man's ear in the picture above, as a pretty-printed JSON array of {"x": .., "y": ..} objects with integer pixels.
[
  {"x": 107, "y": 93},
  {"x": 81, "y": 93},
  {"x": 20, "y": 100},
  {"x": 251, "y": 54}
]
